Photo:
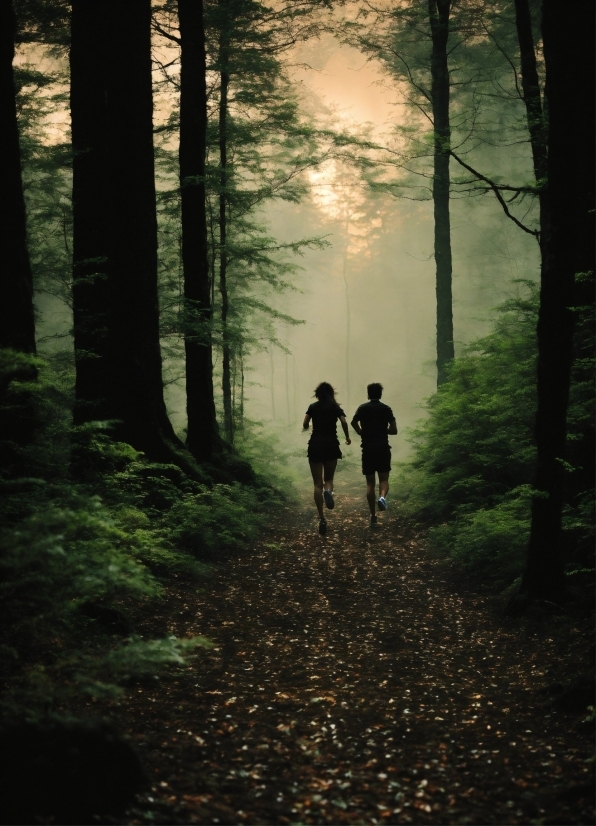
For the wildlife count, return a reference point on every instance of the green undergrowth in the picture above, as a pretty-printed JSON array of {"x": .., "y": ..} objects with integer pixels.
[
  {"x": 271, "y": 454},
  {"x": 469, "y": 480},
  {"x": 91, "y": 533}
]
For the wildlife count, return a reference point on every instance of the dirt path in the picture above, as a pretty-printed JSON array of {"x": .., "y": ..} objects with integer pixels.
[{"x": 352, "y": 683}]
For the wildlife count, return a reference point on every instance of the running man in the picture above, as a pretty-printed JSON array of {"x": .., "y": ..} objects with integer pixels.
[
  {"x": 374, "y": 422},
  {"x": 323, "y": 446}
]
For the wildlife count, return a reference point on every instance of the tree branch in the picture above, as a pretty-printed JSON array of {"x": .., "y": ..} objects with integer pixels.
[{"x": 497, "y": 188}]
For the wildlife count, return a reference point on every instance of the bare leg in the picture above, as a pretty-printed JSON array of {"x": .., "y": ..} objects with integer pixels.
[
  {"x": 316, "y": 468},
  {"x": 329, "y": 473},
  {"x": 383, "y": 483},
  {"x": 370, "y": 492}
]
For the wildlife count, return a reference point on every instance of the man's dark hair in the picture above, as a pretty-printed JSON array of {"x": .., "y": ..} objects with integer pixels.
[{"x": 375, "y": 390}]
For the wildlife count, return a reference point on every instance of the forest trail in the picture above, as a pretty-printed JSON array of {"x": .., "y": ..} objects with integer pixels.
[{"x": 352, "y": 683}]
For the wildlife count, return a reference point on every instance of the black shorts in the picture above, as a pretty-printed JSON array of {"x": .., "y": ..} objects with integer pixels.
[
  {"x": 376, "y": 458},
  {"x": 323, "y": 450}
]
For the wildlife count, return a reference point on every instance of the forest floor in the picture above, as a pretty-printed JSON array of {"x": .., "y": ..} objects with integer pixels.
[{"x": 355, "y": 679}]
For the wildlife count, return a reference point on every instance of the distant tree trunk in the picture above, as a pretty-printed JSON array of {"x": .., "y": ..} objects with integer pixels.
[
  {"x": 568, "y": 248},
  {"x": 202, "y": 434},
  {"x": 439, "y": 24},
  {"x": 272, "y": 365},
  {"x": 90, "y": 210},
  {"x": 288, "y": 392},
  {"x": 17, "y": 320},
  {"x": 223, "y": 259},
  {"x": 136, "y": 390},
  {"x": 348, "y": 320},
  {"x": 241, "y": 410}
]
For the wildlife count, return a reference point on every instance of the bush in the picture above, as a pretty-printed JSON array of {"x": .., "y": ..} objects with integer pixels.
[
  {"x": 214, "y": 522},
  {"x": 491, "y": 541},
  {"x": 470, "y": 476}
]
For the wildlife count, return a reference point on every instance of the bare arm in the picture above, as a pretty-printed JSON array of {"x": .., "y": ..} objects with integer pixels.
[
  {"x": 356, "y": 427},
  {"x": 392, "y": 429},
  {"x": 344, "y": 425},
  {"x": 306, "y": 422}
]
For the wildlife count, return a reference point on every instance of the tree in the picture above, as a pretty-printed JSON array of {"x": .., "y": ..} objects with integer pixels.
[
  {"x": 227, "y": 15},
  {"x": 90, "y": 196},
  {"x": 438, "y": 12},
  {"x": 568, "y": 250},
  {"x": 17, "y": 320},
  {"x": 257, "y": 147},
  {"x": 134, "y": 390},
  {"x": 400, "y": 41},
  {"x": 202, "y": 434}
]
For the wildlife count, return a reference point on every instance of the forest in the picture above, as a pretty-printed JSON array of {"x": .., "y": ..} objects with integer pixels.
[{"x": 212, "y": 206}]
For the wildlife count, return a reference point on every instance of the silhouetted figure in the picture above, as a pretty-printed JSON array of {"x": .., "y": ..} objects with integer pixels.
[
  {"x": 323, "y": 446},
  {"x": 374, "y": 422}
]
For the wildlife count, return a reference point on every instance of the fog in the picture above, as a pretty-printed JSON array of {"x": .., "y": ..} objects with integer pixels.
[{"x": 368, "y": 299}]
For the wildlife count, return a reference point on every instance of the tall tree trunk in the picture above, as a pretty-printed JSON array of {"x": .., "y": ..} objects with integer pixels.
[
  {"x": 568, "y": 248},
  {"x": 534, "y": 113},
  {"x": 223, "y": 218},
  {"x": 136, "y": 390},
  {"x": 439, "y": 25},
  {"x": 17, "y": 320},
  {"x": 88, "y": 102},
  {"x": 531, "y": 88},
  {"x": 202, "y": 434}
]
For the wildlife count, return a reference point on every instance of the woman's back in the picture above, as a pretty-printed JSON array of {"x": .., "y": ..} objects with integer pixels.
[{"x": 324, "y": 415}]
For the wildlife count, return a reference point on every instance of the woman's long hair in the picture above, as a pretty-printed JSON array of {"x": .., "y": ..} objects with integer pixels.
[{"x": 325, "y": 392}]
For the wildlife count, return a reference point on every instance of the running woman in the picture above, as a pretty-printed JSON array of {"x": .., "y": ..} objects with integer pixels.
[
  {"x": 323, "y": 446},
  {"x": 374, "y": 422}
]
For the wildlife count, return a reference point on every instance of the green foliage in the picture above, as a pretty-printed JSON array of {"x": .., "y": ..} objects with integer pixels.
[
  {"x": 77, "y": 559},
  {"x": 59, "y": 558},
  {"x": 268, "y": 454},
  {"x": 67, "y": 571},
  {"x": 215, "y": 521},
  {"x": 491, "y": 541},
  {"x": 153, "y": 547},
  {"x": 476, "y": 445},
  {"x": 470, "y": 476}
]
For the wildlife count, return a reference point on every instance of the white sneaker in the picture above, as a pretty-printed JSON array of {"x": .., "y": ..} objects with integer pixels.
[{"x": 382, "y": 503}]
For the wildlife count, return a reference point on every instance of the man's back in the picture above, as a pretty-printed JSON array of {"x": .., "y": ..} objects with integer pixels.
[{"x": 374, "y": 418}]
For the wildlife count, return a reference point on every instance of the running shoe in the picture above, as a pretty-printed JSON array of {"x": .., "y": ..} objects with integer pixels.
[
  {"x": 322, "y": 526},
  {"x": 328, "y": 497},
  {"x": 382, "y": 503},
  {"x": 373, "y": 523}
]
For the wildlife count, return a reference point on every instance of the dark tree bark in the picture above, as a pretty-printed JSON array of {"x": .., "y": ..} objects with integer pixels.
[
  {"x": 17, "y": 320},
  {"x": 202, "y": 433},
  {"x": 135, "y": 389},
  {"x": 531, "y": 88},
  {"x": 534, "y": 112},
  {"x": 439, "y": 24},
  {"x": 568, "y": 248},
  {"x": 223, "y": 218},
  {"x": 88, "y": 106}
]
